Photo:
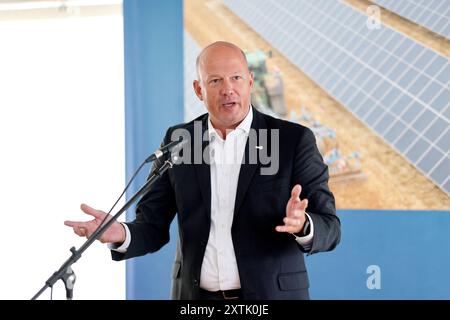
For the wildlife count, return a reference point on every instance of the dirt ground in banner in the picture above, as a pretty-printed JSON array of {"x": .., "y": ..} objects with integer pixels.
[{"x": 392, "y": 183}]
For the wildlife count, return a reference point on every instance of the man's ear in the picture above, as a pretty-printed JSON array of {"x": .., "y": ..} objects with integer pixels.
[
  {"x": 198, "y": 89},
  {"x": 251, "y": 79}
]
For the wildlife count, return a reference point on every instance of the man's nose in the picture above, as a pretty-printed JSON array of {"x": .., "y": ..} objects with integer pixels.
[{"x": 227, "y": 87}]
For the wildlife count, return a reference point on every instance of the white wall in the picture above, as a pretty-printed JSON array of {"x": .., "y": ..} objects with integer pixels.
[{"x": 61, "y": 143}]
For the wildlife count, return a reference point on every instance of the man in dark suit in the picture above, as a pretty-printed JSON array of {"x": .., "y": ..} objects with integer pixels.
[{"x": 243, "y": 227}]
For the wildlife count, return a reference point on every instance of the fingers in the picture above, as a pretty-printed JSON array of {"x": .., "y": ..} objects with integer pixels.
[
  {"x": 295, "y": 193},
  {"x": 79, "y": 228},
  {"x": 303, "y": 205},
  {"x": 295, "y": 197},
  {"x": 80, "y": 231},
  {"x": 85, "y": 229},
  {"x": 73, "y": 224},
  {"x": 98, "y": 214},
  {"x": 293, "y": 222},
  {"x": 295, "y": 207},
  {"x": 288, "y": 229},
  {"x": 295, "y": 212},
  {"x": 292, "y": 225}
]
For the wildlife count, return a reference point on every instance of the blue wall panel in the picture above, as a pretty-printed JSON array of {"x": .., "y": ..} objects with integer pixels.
[
  {"x": 411, "y": 249},
  {"x": 153, "y": 40}
]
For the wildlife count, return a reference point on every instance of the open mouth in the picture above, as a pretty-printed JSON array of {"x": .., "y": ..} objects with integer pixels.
[{"x": 229, "y": 104}]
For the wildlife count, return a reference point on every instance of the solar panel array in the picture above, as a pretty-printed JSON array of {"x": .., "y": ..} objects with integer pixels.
[
  {"x": 431, "y": 14},
  {"x": 193, "y": 107},
  {"x": 393, "y": 84}
]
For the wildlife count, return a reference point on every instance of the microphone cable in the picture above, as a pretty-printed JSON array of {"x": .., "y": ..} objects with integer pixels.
[
  {"x": 162, "y": 150},
  {"x": 165, "y": 149},
  {"x": 121, "y": 195}
]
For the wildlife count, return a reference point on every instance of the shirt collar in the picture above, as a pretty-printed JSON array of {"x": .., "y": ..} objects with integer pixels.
[{"x": 245, "y": 125}]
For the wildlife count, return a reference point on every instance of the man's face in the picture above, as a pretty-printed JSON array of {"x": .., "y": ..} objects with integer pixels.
[{"x": 224, "y": 86}]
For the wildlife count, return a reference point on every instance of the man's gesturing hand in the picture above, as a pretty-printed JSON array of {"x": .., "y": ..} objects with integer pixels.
[
  {"x": 114, "y": 234},
  {"x": 295, "y": 212}
]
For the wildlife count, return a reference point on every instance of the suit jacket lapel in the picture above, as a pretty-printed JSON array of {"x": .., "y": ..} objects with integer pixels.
[
  {"x": 203, "y": 169},
  {"x": 248, "y": 170}
]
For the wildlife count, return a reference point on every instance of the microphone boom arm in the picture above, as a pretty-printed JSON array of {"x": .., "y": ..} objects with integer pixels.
[{"x": 76, "y": 254}]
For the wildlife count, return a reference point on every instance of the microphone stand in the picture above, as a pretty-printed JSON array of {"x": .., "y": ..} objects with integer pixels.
[
  {"x": 65, "y": 268},
  {"x": 69, "y": 279}
]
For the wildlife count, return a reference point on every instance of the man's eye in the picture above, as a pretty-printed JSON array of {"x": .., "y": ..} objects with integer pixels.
[
  {"x": 214, "y": 81},
  {"x": 237, "y": 77}
]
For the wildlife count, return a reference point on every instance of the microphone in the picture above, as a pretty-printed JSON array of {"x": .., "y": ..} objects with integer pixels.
[{"x": 163, "y": 150}]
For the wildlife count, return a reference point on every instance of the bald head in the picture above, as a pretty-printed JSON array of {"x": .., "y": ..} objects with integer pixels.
[
  {"x": 224, "y": 84},
  {"x": 214, "y": 48}
]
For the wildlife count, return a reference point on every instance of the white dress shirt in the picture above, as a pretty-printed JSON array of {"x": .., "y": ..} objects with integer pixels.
[{"x": 219, "y": 268}]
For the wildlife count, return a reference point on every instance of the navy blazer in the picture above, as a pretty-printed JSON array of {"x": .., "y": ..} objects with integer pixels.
[{"x": 271, "y": 264}]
